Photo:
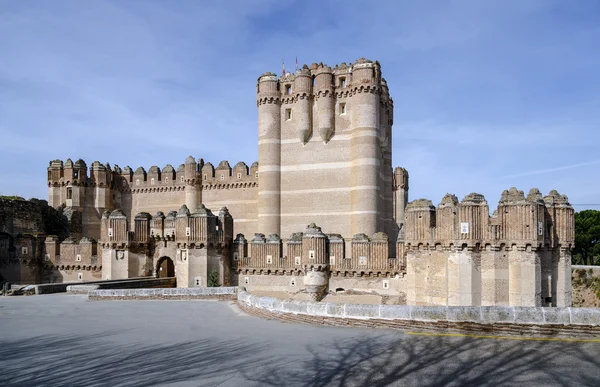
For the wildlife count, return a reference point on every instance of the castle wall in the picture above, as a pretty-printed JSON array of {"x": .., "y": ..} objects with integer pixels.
[
  {"x": 494, "y": 276},
  {"x": 242, "y": 203}
]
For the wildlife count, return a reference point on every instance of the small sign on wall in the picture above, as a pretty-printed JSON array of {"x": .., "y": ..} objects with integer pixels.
[{"x": 464, "y": 228}]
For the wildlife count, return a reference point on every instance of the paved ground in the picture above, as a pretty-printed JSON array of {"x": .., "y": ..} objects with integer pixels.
[{"x": 62, "y": 340}]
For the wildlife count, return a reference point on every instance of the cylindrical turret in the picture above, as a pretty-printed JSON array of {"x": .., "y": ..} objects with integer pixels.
[
  {"x": 55, "y": 173},
  {"x": 325, "y": 101},
  {"x": 269, "y": 154},
  {"x": 562, "y": 217},
  {"x": 400, "y": 194},
  {"x": 303, "y": 105},
  {"x": 191, "y": 185},
  {"x": 473, "y": 218},
  {"x": 365, "y": 150},
  {"x": 446, "y": 217},
  {"x": 420, "y": 220}
]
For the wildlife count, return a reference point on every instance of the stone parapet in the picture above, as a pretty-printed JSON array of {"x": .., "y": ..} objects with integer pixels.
[
  {"x": 224, "y": 293},
  {"x": 131, "y": 284},
  {"x": 525, "y": 318}
]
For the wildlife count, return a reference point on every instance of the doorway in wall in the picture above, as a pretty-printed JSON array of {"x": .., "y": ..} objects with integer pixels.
[{"x": 165, "y": 267}]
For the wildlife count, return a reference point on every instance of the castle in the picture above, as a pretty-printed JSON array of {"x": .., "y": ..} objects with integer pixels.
[{"x": 322, "y": 209}]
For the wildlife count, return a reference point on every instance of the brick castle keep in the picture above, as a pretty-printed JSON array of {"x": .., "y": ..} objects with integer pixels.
[{"x": 322, "y": 209}]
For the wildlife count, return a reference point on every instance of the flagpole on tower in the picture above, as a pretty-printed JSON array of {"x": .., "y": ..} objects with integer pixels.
[
  {"x": 282, "y": 68},
  {"x": 296, "y": 64}
]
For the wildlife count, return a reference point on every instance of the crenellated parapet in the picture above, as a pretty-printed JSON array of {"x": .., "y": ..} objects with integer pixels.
[
  {"x": 457, "y": 254},
  {"x": 72, "y": 254},
  {"x": 520, "y": 220},
  {"x": 312, "y": 250},
  {"x": 187, "y": 229}
]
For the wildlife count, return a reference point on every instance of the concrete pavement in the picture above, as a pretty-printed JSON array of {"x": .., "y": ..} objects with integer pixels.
[{"x": 65, "y": 340}]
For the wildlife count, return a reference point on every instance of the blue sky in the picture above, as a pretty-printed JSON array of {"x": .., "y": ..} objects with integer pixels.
[{"x": 488, "y": 94}]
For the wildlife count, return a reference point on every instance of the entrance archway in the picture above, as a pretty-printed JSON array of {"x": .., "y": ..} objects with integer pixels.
[{"x": 165, "y": 268}]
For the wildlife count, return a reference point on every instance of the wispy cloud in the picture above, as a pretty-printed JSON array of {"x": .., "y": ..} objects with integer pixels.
[{"x": 549, "y": 170}]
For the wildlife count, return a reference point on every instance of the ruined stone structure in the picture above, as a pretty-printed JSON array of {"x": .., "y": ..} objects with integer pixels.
[
  {"x": 325, "y": 158},
  {"x": 21, "y": 241}
]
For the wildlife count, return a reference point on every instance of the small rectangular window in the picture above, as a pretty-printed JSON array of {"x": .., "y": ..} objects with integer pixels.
[
  {"x": 311, "y": 254},
  {"x": 205, "y": 177},
  {"x": 235, "y": 256},
  {"x": 222, "y": 177},
  {"x": 182, "y": 179},
  {"x": 152, "y": 181},
  {"x": 69, "y": 193},
  {"x": 342, "y": 109},
  {"x": 110, "y": 232},
  {"x": 24, "y": 250},
  {"x": 137, "y": 182},
  {"x": 288, "y": 114},
  {"x": 288, "y": 89},
  {"x": 269, "y": 259},
  {"x": 256, "y": 175},
  {"x": 79, "y": 276},
  {"x": 342, "y": 82},
  {"x": 297, "y": 261},
  {"x": 239, "y": 175},
  {"x": 188, "y": 232},
  {"x": 78, "y": 258}
]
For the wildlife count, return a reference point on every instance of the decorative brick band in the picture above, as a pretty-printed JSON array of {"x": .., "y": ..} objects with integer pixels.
[
  {"x": 221, "y": 293},
  {"x": 500, "y": 320}
]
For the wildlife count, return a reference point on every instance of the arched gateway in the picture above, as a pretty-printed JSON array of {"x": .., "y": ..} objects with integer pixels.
[{"x": 165, "y": 268}]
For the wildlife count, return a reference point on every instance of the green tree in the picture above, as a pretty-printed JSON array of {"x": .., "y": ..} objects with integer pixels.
[
  {"x": 55, "y": 222},
  {"x": 587, "y": 237},
  {"x": 213, "y": 279}
]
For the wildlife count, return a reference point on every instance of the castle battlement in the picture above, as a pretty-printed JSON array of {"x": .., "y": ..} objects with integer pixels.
[
  {"x": 187, "y": 229},
  {"x": 314, "y": 250},
  {"x": 532, "y": 222},
  {"x": 102, "y": 175}
]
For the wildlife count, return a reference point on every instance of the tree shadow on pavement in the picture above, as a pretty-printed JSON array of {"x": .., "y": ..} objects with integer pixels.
[
  {"x": 93, "y": 361},
  {"x": 442, "y": 361}
]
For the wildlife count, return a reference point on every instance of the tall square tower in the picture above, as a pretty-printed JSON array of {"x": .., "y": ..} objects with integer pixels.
[{"x": 325, "y": 151}]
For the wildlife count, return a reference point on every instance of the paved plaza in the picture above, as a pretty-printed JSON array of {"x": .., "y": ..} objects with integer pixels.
[{"x": 65, "y": 340}]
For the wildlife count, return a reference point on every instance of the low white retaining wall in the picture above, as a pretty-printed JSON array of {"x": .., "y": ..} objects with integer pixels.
[
  {"x": 163, "y": 293},
  {"x": 477, "y": 314}
]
